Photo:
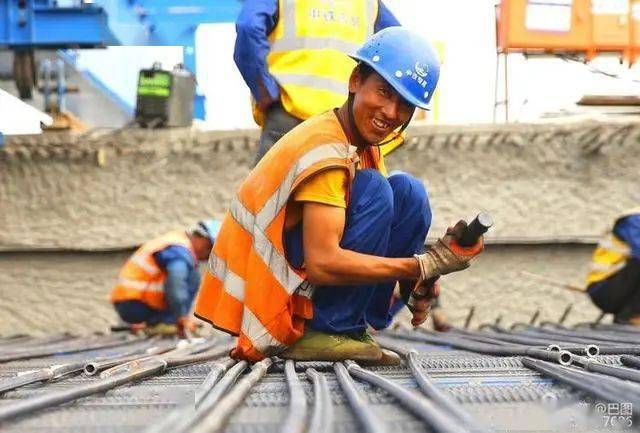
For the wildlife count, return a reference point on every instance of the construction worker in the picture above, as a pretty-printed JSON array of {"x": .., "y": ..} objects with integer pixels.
[
  {"x": 157, "y": 284},
  {"x": 613, "y": 282},
  {"x": 293, "y": 56},
  {"x": 317, "y": 236}
]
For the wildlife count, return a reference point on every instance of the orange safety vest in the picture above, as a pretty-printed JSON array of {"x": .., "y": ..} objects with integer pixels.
[
  {"x": 141, "y": 279},
  {"x": 249, "y": 288}
]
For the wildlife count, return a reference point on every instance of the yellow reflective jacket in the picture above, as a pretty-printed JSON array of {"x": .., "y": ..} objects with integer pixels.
[
  {"x": 611, "y": 254},
  {"x": 309, "y": 51}
]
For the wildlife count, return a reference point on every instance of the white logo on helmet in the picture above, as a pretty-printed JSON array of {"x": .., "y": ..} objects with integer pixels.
[{"x": 421, "y": 69}]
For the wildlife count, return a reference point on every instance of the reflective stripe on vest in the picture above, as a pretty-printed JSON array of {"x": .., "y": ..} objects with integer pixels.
[
  {"x": 309, "y": 51},
  {"x": 141, "y": 279},
  {"x": 231, "y": 293}
]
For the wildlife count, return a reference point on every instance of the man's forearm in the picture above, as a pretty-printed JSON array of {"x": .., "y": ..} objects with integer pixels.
[{"x": 346, "y": 267}]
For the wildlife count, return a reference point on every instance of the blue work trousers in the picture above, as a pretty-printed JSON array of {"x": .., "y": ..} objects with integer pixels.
[
  {"x": 139, "y": 312},
  {"x": 387, "y": 217}
]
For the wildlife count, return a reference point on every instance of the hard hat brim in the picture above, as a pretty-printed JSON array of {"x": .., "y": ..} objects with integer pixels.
[{"x": 405, "y": 93}]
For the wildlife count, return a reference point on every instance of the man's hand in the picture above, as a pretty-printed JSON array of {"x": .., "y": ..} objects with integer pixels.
[
  {"x": 420, "y": 307},
  {"x": 446, "y": 255}
]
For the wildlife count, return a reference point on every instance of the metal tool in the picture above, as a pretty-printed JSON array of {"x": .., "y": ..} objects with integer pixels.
[{"x": 480, "y": 224}]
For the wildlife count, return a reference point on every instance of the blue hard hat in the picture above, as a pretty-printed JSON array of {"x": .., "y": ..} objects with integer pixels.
[
  {"x": 406, "y": 60},
  {"x": 208, "y": 229}
]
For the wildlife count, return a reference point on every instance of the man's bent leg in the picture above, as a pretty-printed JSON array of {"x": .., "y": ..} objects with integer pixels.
[
  {"x": 341, "y": 309},
  {"x": 134, "y": 311},
  {"x": 411, "y": 222}
]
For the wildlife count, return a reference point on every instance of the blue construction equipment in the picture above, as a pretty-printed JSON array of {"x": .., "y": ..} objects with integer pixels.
[
  {"x": 168, "y": 23},
  {"x": 26, "y": 25}
]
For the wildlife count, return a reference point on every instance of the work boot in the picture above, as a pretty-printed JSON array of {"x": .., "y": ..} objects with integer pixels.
[
  {"x": 321, "y": 346},
  {"x": 389, "y": 358}
]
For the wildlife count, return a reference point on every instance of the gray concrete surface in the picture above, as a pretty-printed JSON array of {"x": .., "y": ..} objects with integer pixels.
[
  {"x": 542, "y": 183},
  {"x": 56, "y": 291}
]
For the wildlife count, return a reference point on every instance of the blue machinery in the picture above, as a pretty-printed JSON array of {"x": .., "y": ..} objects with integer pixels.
[{"x": 26, "y": 25}]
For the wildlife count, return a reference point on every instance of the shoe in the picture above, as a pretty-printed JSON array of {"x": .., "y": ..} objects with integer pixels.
[
  {"x": 164, "y": 329},
  {"x": 389, "y": 359},
  {"x": 321, "y": 346}
]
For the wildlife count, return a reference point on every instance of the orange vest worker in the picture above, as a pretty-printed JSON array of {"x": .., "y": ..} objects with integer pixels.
[
  {"x": 141, "y": 279},
  {"x": 249, "y": 288}
]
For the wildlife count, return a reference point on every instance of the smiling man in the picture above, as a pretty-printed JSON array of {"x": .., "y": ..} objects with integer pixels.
[{"x": 318, "y": 235}]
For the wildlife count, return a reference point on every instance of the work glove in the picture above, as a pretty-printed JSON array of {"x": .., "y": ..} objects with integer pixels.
[
  {"x": 446, "y": 255},
  {"x": 420, "y": 306}
]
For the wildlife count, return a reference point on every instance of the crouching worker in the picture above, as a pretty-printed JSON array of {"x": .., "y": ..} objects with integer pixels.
[
  {"x": 158, "y": 283},
  {"x": 614, "y": 276},
  {"x": 317, "y": 235}
]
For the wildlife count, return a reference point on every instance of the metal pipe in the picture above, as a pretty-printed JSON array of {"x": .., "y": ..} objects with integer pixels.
[
  {"x": 367, "y": 418},
  {"x": 49, "y": 351},
  {"x": 208, "y": 393},
  {"x": 296, "y": 419},
  {"x": 215, "y": 420},
  {"x": 432, "y": 391},
  {"x": 563, "y": 357},
  {"x": 592, "y": 335},
  {"x": 212, "y": 378},
  {"x": 433, "y": 416},
  {"x": 8, "y": 346},
  {"x": 131, "y": 372},
  {"x": 609, "y": 370},
  {"x": 102, "y": 363},
  {"x": 322, "y": 416},
  {"x": 41, "y": 375},
  {"x": 579, "y": 380},
  {"x": 588, "y": 350},
  {"x": 28, "y": 406},
  {"x": 183, "y": 348},
  {"x": 630, "y": 361}
]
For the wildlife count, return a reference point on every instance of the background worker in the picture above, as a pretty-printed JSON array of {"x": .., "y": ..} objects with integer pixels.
[
  {"x": 158, "y": 283},
  {"x": 293, "y": 56},
  {"x": 613, "y": 282},
  {"x": 317, "y": 236}
]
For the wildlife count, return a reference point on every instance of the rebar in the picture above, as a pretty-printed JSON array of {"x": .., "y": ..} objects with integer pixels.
[
  {"x": 433, "y": 416},
  {"x": 296, "y": 419},
  {"x": 431, "y": 391},
  {"x": 610, "y": 370},
  {"x": 49, "y": 351},
  {"x": 497, "y": 338},
  {"x": 216, "y": 419},
  {"x": 367, "y": 418},
  {"x": 149, "y": 347},
  {"x": 630, "y": 361},
  {"x": 207, "y": 394},
  {"x": 562, "y": 357},
  {"x": 130, "y": 372},
  {"x": 580, "y": 380},
  {"x": 322, "y": 415}
]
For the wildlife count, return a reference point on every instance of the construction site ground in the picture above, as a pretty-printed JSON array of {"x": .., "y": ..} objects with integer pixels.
[{"x": 498, "y": 393}]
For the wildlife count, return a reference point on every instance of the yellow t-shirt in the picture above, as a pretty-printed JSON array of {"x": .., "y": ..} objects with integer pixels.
[{"x": 327, "y": 187}]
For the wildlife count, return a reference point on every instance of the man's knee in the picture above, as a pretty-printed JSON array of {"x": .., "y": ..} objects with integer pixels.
[{"x": 412, "y": 193}]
